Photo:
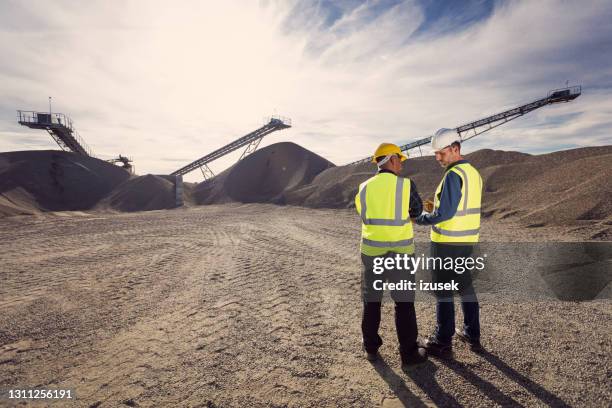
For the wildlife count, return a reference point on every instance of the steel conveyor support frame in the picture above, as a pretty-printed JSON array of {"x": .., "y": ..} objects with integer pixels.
[
  {"x": 480, "y": 126},
  {"x": 250, "y": 140}
]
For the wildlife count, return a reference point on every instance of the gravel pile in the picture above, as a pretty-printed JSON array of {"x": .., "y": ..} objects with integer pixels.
[
  {"x": 558, "y": 188},
  {"x": 562, "y": 188},
  {"x": 47, "y": 180},
  {"x": 264, "y": 176},
  {"x": 142, "y": 193}
]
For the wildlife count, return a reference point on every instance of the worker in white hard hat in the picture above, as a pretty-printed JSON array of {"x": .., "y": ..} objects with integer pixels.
[
  {"x": 386, "y": 203},
  {"x": 454, "y": 217}
]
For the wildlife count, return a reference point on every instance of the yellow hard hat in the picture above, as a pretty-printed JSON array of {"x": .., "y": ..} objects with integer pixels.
[{"x": 386, "y": 149}]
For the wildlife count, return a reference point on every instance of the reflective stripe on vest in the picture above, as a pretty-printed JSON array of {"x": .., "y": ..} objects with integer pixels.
[
  {"x": 463, "y": 233},
  {"x": 465, "y": 210},
  {"x": 465, "y": 224},
  {"x": 387, "y": 244},
  {"x": 386, "y": 221}
]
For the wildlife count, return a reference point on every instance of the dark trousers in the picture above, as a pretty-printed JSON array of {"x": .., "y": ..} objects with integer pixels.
[
  {"x": 445, "y": 306},
  {"x": 405, "y": 315}
]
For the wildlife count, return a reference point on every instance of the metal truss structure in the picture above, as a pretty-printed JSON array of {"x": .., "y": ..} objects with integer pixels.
[
  {"x": 59, "y": 126},
  {"x": 478, "y": 127},
  {"x": 251, "y": 141}
]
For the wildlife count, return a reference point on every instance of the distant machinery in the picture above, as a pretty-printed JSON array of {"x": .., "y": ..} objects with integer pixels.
[
  {"x": 59, "y": 127},
  {"x": 126, "y": 163},
  {"x": 472, "y": 129},
  {"x": 62, "y": 130},
  {"x": 251, "y": 141}
]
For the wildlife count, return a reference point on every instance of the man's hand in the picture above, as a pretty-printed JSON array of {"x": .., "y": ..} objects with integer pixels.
[
  {"x": 421, "y": 219},
  {"x": 428, "y": 205}
]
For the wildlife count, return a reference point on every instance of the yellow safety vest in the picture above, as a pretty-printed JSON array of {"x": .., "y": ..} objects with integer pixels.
[
  {"x": 383, "y": 203},
  {"x": 464, "y": 227}
]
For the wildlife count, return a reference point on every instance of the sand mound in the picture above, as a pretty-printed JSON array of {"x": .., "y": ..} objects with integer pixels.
[
  {"x": 141, "y": 193},
  {"x": 336, "y": 187},
  {"x": 488, "y": 157},
  {"x": 47, "y": 180},
  {"x": 561, "y": 188},
  {"x": 264, "y": 176},
  {"x": 555, "y": 188}
]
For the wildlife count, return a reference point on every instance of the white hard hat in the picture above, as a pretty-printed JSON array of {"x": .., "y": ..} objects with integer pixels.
[{"x": 443, "y": 138}]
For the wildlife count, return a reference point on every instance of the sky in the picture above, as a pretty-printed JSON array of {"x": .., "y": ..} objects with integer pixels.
[{"x": 168, "y": 82}]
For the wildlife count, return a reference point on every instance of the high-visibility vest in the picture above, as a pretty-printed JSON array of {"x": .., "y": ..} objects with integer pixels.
[
  {"x": 383, "y": 203},
  {"x": 464, "y": 227}
]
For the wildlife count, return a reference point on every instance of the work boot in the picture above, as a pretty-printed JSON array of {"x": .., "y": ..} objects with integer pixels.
[
  {"x": 435, "y": 348},
  {"x": 414, "y": 359},
  {"x": 475, "y": 345},
  {"x": 370, "y": 356}
]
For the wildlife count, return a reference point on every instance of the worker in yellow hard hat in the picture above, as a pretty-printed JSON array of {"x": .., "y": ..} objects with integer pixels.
[
  {"x": 386, "y": 203},
  {"x": 387, "y": 149}
]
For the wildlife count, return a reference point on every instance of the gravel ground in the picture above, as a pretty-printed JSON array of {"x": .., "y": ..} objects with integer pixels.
[{"x": 258, "y": 305}]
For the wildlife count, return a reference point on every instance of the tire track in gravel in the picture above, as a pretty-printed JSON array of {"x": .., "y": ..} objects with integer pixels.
[
  {"x": 123, "y": 282},
  {"x": 230, "y": 305},
  {"x": 280, "y": 298},
  {"x": 161, "y": 351}
]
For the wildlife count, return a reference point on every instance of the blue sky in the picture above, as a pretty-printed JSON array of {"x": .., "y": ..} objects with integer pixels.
[{"x": 168, "y": 82}]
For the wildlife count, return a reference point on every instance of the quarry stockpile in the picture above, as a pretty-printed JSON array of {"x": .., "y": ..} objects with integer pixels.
[
  {"x": 264, "y": 176},
  {"x": 141, "y": 193},
  {"x": 336, "y": 187},
  {"x": 556, "y": 188},
  {"x": 563, "y": 187},
  {"x": 47, "y": 180}
]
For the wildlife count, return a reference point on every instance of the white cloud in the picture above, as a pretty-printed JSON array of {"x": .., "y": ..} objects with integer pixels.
[{"x": 168, "y": 83}]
